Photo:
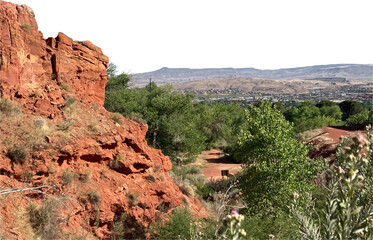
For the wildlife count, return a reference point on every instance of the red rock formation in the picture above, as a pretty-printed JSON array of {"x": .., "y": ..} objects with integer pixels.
[
  {"x": 27, "y": 61},
  {"x": 71, "y": 141}
]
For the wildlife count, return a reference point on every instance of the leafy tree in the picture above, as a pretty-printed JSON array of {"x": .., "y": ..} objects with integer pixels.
[
  {"x": 325, "y": 103},
  {"x": 349, "y": 108},
  {"x": 276, "y": 165},
  {"x": 331, "y": 111},
  {"x": 116, "y": 81},
  {"x": 363, "y": 118},
  {"x": 307, "y": 116}
]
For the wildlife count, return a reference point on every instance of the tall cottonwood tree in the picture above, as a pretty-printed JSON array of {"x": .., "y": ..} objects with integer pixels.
[{"x": 276, "y": 164}]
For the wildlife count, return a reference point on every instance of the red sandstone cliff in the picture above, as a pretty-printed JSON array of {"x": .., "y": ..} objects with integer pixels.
[{"x": 98, "y": 170}]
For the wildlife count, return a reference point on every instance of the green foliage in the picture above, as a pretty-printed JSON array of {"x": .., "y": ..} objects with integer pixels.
[
  {"x": 363, "y": 118},
  {"x": 182, "y": 225},
  {"x": 115, "y": 81},
  {"x": 348, "y": 212},
  {"x": 232, "y": 224},
  {"x": 276, "y": 163},
  {"x": 178, "y": 125},
  {"x": 17, "y": 154},
  {"x": 349, "y": 108},
  {"x": 325, "y": 103},
  {"x": 276, "y": 227},
  {"x": 307, "y": 116},
  {"x": 9, "y": 108}
]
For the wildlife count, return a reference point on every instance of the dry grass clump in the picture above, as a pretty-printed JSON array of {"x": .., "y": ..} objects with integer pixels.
[
  {"x": 44, "y": 219},
  {"x": 67, "y": 176},
  {"x": 9, "y": 108},
  {"x": 93, "y": 197},
  {"x": 65, "y": 125},
  {"x": 117, "y": 117},
  {"x": 116, "y": 162},
  {"x": 26, "y": 27}
]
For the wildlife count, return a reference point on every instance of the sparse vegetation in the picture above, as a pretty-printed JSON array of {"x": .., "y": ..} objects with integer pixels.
[
  {"x": 9, "y": 108},
  {"x": 65, "y": 86},
  {"x": 65, "y": 125},
  {"x": 69, "y": 101},
  {"x": 116, "y": 162},
  {"x": 150, "y": 178},
  {"x": 26, "y": 27},
  {"x": 27, "y": 177},
  {"x": 44, "y": 219},
  {"x": 117, "y": 117},
  {"x": 17, "y": 154},
  {"x": 67, "y": 176},
  {"x": 132, "y": 198},
  {"x": 93, "y": 197}
]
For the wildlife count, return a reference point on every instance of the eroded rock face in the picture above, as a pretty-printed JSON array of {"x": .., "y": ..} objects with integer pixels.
[
  {"x": 98, "y": 170},
  {"x": 28, "y": 61}
]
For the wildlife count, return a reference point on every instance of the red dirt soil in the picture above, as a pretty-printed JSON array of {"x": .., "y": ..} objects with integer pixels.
[{"x": 214, "y": 161}]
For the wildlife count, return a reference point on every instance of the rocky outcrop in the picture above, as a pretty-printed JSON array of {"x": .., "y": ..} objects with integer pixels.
[
  {"x": 28, "y": 62},
  {"x": 99, "y": 172}
]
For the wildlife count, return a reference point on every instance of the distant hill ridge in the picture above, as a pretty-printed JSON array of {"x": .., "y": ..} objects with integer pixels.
[{"x": 180, "y": 75}]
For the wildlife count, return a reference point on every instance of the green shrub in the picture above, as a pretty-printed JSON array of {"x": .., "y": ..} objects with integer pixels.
[
  {"x": 204, "y": 190},
  {"x": 280, "y": 227},
  {"x": 84, "y": 177},
  {"x": 184, "y": 171},
  {"x": 17, "y": 154},
  {"x": 136, "y": 117},
  {"x": 179, "y": 226},
  {"x": 9, "y": 108}
]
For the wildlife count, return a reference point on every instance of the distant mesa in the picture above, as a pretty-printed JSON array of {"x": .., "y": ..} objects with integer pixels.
[{"x": 325, "y": 72}]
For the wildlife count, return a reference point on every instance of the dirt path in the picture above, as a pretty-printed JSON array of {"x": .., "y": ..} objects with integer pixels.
[{"x": 213, "y": 161}]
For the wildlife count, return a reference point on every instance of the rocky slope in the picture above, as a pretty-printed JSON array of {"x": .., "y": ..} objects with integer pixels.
[{"x": 92, "y": 171}]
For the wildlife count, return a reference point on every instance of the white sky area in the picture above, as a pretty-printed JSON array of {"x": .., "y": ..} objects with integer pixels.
[{"x": 145, "y": 35}]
